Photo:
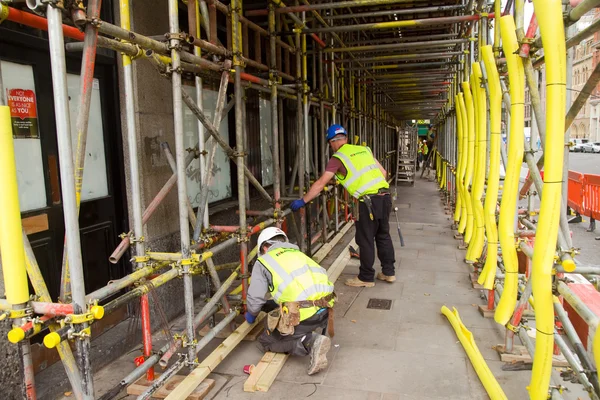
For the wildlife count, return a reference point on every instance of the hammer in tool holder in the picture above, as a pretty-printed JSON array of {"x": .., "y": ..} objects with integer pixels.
[
  {"x": 369, "y": 204},
  {"x": 398, "y": 224}
]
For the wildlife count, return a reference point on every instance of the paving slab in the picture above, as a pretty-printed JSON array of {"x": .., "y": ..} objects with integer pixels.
[
  {"x": 293, "y": 391},
  {"x": 366, "y": 334},
  {"x": 398, "y": 372}
]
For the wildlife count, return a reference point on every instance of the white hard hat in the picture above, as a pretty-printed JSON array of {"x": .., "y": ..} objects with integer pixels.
[{"x": 267, "y": 235}]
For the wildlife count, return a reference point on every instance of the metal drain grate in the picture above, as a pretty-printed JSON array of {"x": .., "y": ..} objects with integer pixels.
[{"x": 380, "y": 304}]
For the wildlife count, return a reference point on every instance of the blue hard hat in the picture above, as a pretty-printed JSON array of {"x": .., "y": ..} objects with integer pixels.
[{"x": 335, "y": 130}]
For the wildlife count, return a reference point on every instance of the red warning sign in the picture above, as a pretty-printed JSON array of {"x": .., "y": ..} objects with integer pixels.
[{"x": 23, "y": 113}]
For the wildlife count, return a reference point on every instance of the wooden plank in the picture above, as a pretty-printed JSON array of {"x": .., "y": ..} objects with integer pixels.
[
  {"x": 200, "y": 373},
  {"x": 520, "y": 353},
  {"x": 268, "y": 377},
  {"x": 35, "y": 224},
  {"x": 250, "y": 384},
  {"x": 142, "y": 384},
  {"x": 485, "y": 312},
  {"x": 327, "y": 247},
  {"x": 340, "y": 263}
]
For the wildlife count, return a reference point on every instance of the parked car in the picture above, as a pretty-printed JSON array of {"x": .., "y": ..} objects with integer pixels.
[
  {"x": 577, "y": 146},
  {"x": 592, "y": 147}
]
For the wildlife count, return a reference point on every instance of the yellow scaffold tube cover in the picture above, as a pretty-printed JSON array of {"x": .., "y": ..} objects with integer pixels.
[
  {"x": 459, "y": 202},
  {"x": 488, "y": 275},
  {"x": 11, "y": 238},
  {"x": 491, "y": 385},
  {"x": 596, "y": 349},
  {"x": 470, "y": 135},
  {"x": 464, "y": 218},
  {"x": 550, "y": 19},
  {"x": 516, "y": 138},
  {"x": 476, "y": 244}
]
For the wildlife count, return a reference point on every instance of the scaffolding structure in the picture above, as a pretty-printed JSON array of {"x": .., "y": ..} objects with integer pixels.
[{"x": 371, "y": 65}]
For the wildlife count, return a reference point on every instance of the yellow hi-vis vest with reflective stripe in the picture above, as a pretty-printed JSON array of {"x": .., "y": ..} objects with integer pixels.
[
  {"x": 363, "y": 175},
  {"x": 296, "y": 277}
]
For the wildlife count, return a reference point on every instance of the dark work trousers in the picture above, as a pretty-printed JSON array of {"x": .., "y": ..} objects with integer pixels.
[
  {"x": 377, "y": 231},
  {"x": 293, "y": 344}
]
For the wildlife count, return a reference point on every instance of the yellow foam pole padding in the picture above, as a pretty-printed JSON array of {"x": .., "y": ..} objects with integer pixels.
[
  {"x": 488, "y": 274},
  {"x": 475, "y": 144},
  {"x": 491, "y": 385},
  {"x": 550, "y": 20},
  {"x": 470, "y": 135},
  {"x": 444, "y": 171},
  {"x": 596, "y": 349},
  {"x": 11, "y": 239},
  {"x": 464, "y": 218},
  {"x": 476, "y": 245},
  {"x": 516, "y": 139},
  {"x": 459, "y": 201}
]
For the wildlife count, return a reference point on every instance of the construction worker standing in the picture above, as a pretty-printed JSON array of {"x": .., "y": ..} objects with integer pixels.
[
  {"x": 302, "y": 300},
  {"x": 364, "y": 178}
]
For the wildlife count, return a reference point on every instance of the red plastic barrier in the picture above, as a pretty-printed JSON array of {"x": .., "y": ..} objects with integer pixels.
[
  {"x": 591, "y": 196},
  {"x": 575, "y": 189}
]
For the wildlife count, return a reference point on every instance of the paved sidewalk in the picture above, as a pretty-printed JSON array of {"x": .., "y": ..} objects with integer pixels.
[{"x": 409, "y": 352}]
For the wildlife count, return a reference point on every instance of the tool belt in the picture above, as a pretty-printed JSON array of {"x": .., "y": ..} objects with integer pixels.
[{"x": 287, "y": 316}]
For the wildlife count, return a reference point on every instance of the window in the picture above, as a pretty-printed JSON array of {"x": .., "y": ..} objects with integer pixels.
[{"x": 28, "y": 150}]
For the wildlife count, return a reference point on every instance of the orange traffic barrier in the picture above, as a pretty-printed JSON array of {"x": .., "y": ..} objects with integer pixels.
[
  {"x": 575, "y": 191},
  {"x": 591, "y": 196}
]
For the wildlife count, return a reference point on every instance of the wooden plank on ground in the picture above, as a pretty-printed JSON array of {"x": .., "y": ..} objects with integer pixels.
[
  {"x": 259, "y": 369},
  {"x": 520, "y": 353},
  {"x": 268, "y": 377},
  {"x": 142, "y": 384},
  {"x": 340, "y": 263},
  {"x": 209, "y": 364},
  {"x": 327, "y": 247}
]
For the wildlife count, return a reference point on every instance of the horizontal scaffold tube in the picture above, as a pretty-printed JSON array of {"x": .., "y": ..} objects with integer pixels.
[
  {"x": 508, "y": 205},
  {"x": 550, "y": 19},
  {"x": 491, "y": 385}
]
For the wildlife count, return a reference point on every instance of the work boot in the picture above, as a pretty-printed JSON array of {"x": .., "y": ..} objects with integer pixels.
[
  {"x": 319, "y": 347},
  {"x": 355, "y": 282},
  {"x": 382, "y": 277}
]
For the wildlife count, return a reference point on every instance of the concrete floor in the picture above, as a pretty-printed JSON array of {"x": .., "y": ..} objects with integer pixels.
[{"x": 409, "y": 352}]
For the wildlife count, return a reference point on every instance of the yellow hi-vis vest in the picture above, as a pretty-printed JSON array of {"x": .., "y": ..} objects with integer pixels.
[
  {"x": 363, "y": 175},
  {"x": 296, "y": 277}
]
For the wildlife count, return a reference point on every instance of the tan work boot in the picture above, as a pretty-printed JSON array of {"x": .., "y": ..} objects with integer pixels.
[
  {"x": 318, "y": 354},
  {"x": 382, "y": 277},
  {"x": 355, "y": 282}
]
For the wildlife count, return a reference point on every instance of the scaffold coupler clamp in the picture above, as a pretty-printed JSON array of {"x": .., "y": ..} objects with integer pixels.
[{"x": 513, "y": 328}]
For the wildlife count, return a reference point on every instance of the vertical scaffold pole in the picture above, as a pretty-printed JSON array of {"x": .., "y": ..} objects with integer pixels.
[
  {"x": 236, "y": 9},
  {"x": 135, "y": 184},
  {"x": 184, "y": 227},
  {"x": 63, "y": 133}
]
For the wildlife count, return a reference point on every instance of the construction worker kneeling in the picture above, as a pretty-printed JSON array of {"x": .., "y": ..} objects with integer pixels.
[{"x": 302, "y": 302}]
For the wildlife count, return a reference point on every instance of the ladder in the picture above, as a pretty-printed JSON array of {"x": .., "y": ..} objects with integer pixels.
[{"x": 407, "y": 154}]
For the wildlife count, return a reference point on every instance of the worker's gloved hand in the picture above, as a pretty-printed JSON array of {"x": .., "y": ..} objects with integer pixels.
[
  {"x": 249, "y": 317},
  {"x": 297, "y": 204}
]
